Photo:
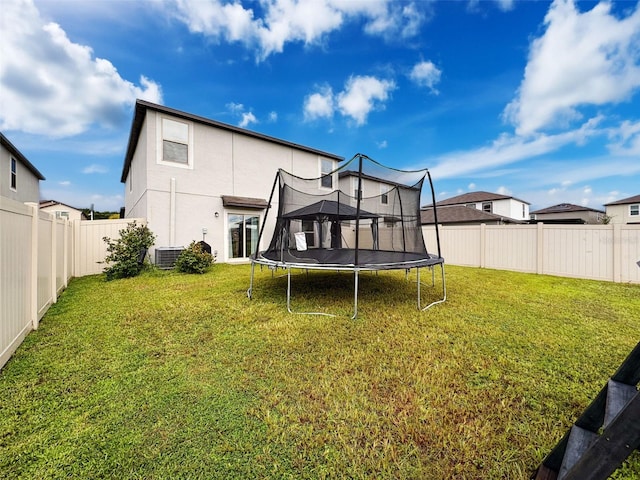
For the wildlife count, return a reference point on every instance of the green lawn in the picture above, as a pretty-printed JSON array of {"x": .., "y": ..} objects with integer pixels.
[{"x": 181, "y": 376}]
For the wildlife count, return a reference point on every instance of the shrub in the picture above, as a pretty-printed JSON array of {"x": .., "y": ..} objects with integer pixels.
[
  {"x": 193, "y": 259},
  {"x": 126, "y": 255}
]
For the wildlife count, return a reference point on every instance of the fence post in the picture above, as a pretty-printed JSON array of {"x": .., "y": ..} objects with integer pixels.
[
  {"x": 540, "y": 248},
  {"x": 76, "y": 248},
  {"x": 65, "y": 253},
  {"x": 483, "y": 244},
  {"x": 33, "y": 276},
  {"x": 616, "y": 242},
  {"x": 54, "y": 259}
]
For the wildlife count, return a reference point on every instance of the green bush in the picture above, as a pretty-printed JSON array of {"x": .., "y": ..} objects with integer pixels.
[
  {"x": 193, "y": 259},
  {"x": 126, "y": 255}
]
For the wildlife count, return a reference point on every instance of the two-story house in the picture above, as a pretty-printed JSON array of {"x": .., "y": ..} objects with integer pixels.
[
  {"x": 626, "y": 210},
  {"x": 194, "y": 178},
  {"x": 568, "y": 213},
  {"x": 20, "y": 180},
  {"x": 478, "y": 207}
]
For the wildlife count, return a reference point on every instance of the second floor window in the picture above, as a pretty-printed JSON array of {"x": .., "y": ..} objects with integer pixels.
[
  {"x": 175, "y": 141},
  {"x": 326, "y": 179},
  {"x": 14, "y": 174},
  {"x": 634, "y": 210},
  {"x": 356, "y": 193},
  {"x": 487, "y": 207},
  {"x": 384, "y": 194}
]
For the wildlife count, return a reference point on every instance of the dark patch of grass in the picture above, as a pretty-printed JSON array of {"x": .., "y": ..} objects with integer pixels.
[{"x": 177, "y": 376}]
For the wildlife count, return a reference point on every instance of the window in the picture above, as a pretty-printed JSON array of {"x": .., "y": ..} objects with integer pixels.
[
  {"x": 384, "y": 194},
  {"x": 326, "y": 179},
  {"x": 634, "y": 210},
  {"x": 14, "y": 174},
  {"x": 523, "y": 211},
  {"x": 356, "y": 193},
  {"x": 175, "y": 141},
  {"x": 471, "y": 205},
  {"x": 308, "y": 228},
  {"x": 487, "y": 207},
  {"x": 243, "y": 235},
  {"x": 61, "y": 214}
]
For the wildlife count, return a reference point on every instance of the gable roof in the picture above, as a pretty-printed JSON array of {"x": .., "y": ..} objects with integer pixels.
[
  {"x": 16, "y": 153},
  {"x": 476, "y": 197},
  {"x": 461, "y": 214},
  {"x": 141, "y": 111},
  {"x": 565, "y": 207},
  {"x": 51, "y": 203},
  {"x": 625, "y": 201}
]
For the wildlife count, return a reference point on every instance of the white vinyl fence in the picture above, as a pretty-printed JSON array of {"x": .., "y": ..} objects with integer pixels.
[
  {"x": 600, "y": 252},
  {"x": 38, "y": 256}
]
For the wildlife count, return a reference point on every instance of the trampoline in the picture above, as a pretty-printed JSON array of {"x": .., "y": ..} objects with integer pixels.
[{"x": 362, "y": 217}]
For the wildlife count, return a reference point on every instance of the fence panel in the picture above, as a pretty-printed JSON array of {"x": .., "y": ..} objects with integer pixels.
[
  {"x": 600, "y": 252},
  {"x": 511, "y": 248},
  {"x": 15, "y": 275},
  {"x": 46, "y": 283},
  {"x": 92, "y": 249}
]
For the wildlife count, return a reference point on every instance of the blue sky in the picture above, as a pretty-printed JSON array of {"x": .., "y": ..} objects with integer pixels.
[{"x": 539, "y": 100}]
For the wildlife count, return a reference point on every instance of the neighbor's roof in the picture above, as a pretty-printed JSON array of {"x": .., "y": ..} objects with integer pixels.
[
  {"x": 461, "y": 214},
  {"x": 476, "y": 197},
  {"x": 51, "y": 203},
  {"x": 565, "y": 207},
  {"x": 625, "y": 201},
  {"x": 141, "y": 110},
  {"x": 16, "y": 153}
]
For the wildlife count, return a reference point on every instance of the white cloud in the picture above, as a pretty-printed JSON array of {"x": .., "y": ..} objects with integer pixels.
[
  {"x": 319, "y": 104},
  {"x": 53, "y": 86},
  {"x": 247, "y": 119},
  {"x": 95, "y": 168},
  {"x": 590, "y": 58},
  {"x": 64, "y": 183},
  {"x": 502, "y": 190},
  {"x": 426, "y": 74},
  {"x": 382, "y": 145},
  {"x": 278, "y": 22},
  {"x": 625, "y": 141},
  {"x": 508, "y": 149},
  {"x": 361, "y": 95},
  {"x": 273, "y": 117},
  {"x": 471, "y": 186}
]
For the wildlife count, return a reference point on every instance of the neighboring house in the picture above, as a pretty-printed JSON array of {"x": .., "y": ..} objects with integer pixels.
[
  {"x": 19, "y": 179},
  {"x": 568, "y": 213},
  {"x": 504, "y": 207},
  {"x": 462, "y": 215},
  {"x": 626, "y": 210},
  {"x": 62, "y": 211},
  {"x": 194, "y": 178}
]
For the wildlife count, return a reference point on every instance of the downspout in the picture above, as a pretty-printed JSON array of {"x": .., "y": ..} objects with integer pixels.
[{"x": 172, "y": 213}]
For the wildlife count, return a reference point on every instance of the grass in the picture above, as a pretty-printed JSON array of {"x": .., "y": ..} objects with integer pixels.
[{"x": 171, "y": 375}]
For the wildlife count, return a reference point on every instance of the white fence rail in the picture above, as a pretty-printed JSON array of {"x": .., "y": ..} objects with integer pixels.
[
  {"x": 600, "y": 252},
  {"x": 38, "y": 256}
]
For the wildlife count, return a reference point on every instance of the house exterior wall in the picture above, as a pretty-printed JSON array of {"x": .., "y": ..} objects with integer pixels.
[
  {"x": 27, "y": 184},
  {"x": 621, "y": 214},
  {"x": 508, "y": 207},
  {"x": 183, "y": 203},
  {"x": 72, "y": 213}
]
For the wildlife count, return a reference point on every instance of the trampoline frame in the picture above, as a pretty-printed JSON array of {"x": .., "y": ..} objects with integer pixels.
[{"x": 430, "y": 263}]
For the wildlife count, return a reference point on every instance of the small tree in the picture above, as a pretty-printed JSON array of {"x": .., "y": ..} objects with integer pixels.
[
  {"x": 193, "y": 259},
  {"x": 126, "y": 255}
]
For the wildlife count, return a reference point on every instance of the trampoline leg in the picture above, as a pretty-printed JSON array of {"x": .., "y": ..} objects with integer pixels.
[
  {"x": 355, "y": 296},
  {"x": 250, "y": 291},
  {"x": 289, "y": 289},
  {"x": 444, "y": 290}
]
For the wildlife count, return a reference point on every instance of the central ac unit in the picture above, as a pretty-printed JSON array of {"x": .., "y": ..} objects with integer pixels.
[{"x": 166, "y": 256}]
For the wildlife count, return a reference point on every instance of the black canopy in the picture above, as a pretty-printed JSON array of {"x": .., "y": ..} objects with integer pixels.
[{"x": 327, "y": 208}]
